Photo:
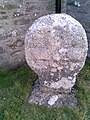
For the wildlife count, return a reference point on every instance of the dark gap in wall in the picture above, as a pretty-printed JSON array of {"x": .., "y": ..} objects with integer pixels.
[{"x": 58, "y": 6}]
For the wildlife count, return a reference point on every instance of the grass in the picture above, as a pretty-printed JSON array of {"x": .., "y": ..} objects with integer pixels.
[{"x": 15, "y": 88}]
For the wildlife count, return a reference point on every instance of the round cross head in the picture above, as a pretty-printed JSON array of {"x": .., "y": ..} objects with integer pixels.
[{"x": 56, "y": 49}]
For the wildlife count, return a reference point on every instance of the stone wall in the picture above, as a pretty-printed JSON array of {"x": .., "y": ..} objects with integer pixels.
[
  {"x": 17, "y": 15},
  {"x": 80, "y": 9},
  {"x": 15, "y": 18}
]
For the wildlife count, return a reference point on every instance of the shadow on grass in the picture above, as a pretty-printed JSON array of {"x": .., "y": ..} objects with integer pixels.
[{"x": 22, "y": 74}]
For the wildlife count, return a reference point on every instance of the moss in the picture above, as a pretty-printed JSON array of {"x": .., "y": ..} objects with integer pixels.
[
  {"x": 4, "y": 17},
  {"x": 9, "y": 6},
  {"x": 30, "y": 8}
]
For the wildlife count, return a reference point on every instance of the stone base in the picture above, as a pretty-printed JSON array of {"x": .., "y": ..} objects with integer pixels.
[{"x": 52, "y": 99}]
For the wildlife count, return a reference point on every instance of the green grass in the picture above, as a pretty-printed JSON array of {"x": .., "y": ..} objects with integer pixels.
[{"x": 16, "y": 86}]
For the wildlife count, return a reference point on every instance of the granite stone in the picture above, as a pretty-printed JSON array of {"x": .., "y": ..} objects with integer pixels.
[{"x": 56, "y": 49}]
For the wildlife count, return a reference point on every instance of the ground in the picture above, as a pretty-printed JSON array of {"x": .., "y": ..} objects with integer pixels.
[{"x": 16, "y": 86}]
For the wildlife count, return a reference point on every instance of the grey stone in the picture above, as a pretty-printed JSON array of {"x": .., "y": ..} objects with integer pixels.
[
  {"x": 56, "y": 49},
  {"x": 15, "y": 17},
  {"x": 63, "y": 6},
  {"x": 52, "y": 99},
  {"x": 80, "y": 10}
]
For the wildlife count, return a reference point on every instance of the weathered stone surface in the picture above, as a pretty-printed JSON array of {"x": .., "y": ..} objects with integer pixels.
[
  {"x": 52, "y": 99},
  {"x": 15, "y": 18},
  {"x": 56, "y": 49}
]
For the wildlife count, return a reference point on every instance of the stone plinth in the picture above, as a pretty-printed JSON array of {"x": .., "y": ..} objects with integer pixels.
[{"x": 56, "y": 49}]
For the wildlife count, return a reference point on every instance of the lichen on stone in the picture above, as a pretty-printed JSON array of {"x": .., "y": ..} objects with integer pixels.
[{"x": 55, "y": 50}]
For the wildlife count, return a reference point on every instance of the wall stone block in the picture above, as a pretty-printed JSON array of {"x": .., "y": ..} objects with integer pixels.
[{"x": 15, "y": 18}]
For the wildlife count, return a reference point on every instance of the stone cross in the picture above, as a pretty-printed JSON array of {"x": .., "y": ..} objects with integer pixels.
[{"x": 56, "y": 49}]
